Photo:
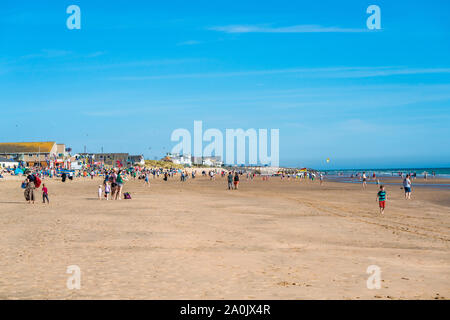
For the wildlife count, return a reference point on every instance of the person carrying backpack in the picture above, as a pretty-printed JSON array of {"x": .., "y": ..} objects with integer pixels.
[
  {"x": 236, "y": 181},
  {"x": 29, "y": 191}
]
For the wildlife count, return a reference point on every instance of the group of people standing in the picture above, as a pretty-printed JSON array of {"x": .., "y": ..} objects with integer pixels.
[
  {"x": 112, "y": 185},
  {"x": 32, "y": 183},
  {"x": 233, "y": 180},
  {"x": 382, "y": 195},
  {"x": 114, "y": 180}
]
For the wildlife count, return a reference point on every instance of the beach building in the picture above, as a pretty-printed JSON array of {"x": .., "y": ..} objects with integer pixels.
[
  {"x": 76, "y": 163},
  {"x": 30, "y": 153},
  {"x": 61, "y": 150},
  {"x": 211, "y": 161},
  {"x": 268, "y": 171},
  {"x": 263, "y": 170},
  {"x": 8, "y": 163},
  {"x": 108, "y": 159},
  {"x": 135, "y": 160},
  {"x": 183, "y": 159}
]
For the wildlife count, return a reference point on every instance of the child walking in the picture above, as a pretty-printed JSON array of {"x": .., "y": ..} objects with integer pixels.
[
  {"x": 44, "y": 193},
  {"x": 107, "y": 190},
  {"x": 381, "y": 198},
  {"x": 100, "y": 192}
]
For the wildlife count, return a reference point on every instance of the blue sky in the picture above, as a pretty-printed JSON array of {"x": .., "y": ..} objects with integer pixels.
[{"x": 137, "y": 70}]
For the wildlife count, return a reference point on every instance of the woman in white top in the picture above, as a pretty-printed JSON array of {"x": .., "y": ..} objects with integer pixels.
[
  {"x": 407, "y": 187},
  {"x": 364, "y": 180}
]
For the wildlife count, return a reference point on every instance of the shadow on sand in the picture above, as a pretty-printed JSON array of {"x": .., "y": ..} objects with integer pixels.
[{"x": 16, "y": 202}]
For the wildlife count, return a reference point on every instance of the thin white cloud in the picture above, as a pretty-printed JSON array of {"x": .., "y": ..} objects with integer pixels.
[
  {"x": 52, "y": 53},
  {"x": 137, "y": 64},
  {"x": 336, "y": 72},
  {"x": 84, "y": 65},
  {"x": 374, "y": 72},
  {"x": 189, "y": 43},
  {"x": 306, "y": 28},
  {"x": 311, "y": 99},
  {"x": 95, "y": 54},
  {"x": 47, "y": 53}
]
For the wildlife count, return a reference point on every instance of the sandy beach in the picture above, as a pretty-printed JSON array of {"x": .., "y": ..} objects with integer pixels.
[{"x": 197, "y": 240}]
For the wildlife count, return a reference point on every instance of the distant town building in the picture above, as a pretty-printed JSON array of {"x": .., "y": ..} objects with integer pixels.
[
  {"x": 135, "y": 160},
  {"x": 183, "y": 159},
  {"x": 208, "y": 161},
  {"x": 109, "y": 159},
  {"x": 8, "y": 163},
  {"x": 61, "y": 150},
  {"x": 76, "y": 162},
  {"x": 30, "y": 153},
  {"x": 268, "y": 170}
]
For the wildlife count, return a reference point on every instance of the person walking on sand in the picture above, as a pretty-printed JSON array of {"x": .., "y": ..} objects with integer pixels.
[
  {"x": 230, "y": 180},
  {"x": 381, "y": 198},
  {"x": 45, "y": 194},
  {"x": 29, "y": 191},
  {"x": 236, "y": 181},
  {"x": 407, "y": 187},
  {"x": 100, "y": 192},
  {"x": 120, "y": 183},
  {"x": 364, "y": 180},
  {"x": 107, "y": 190},
  {"x": 112, "y": 179},
  {"x": 146, "y": 180}
]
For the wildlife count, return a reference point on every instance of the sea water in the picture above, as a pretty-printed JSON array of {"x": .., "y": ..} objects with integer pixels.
[{"x": 393, "y": 172}]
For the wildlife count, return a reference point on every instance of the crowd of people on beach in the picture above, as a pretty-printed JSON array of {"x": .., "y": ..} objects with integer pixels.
[{"x": 114, "y": 180}]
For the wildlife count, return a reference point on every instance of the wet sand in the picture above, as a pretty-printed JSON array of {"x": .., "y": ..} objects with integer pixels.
[{"x": 197, "y": 240}]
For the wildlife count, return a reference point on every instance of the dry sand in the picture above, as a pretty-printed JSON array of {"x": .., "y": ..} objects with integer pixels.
[{"x": 196, "y": 240}]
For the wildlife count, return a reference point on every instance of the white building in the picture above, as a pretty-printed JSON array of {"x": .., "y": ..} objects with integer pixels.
[
  {"x": 268, "y": 171},
  {"x": 76, "y": 165},
  {"x": 136, "y": 160},
  {"x": 183, "y": 159},
  {"x": 8, "y": 163},
  {"x": 212, "y": 161}
]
